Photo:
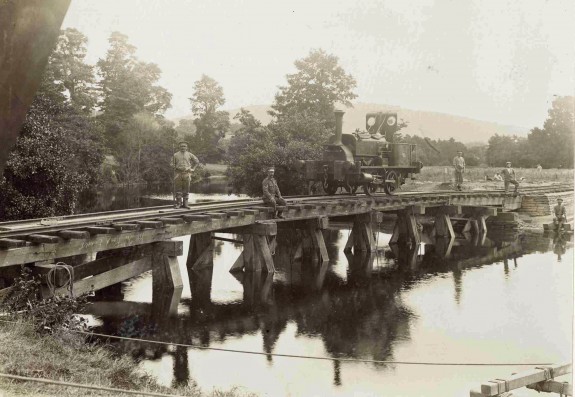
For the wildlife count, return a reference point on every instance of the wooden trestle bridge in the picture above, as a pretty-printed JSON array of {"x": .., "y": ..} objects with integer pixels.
[{"x": 107, "y": 248}]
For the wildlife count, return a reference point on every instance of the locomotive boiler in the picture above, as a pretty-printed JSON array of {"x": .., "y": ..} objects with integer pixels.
[{"x": 370, "y": 159}]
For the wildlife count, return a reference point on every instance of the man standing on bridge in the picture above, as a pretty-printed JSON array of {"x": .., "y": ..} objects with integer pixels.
[
  {"x": 271, "y": 193},
  {"x": 459, "y": 167},
  {"x": 560, "y": 214},
  {"x": 509, "y": 177},
  {"x": 184, "y": 164}
]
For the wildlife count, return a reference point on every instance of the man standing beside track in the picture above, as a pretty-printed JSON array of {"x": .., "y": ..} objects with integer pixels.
[
  {"x": 271, "y": 193},
  {"x": 509, "y": 177},
  {"x": 459, "y": 168},
  {"x": 184, "y": 164}
]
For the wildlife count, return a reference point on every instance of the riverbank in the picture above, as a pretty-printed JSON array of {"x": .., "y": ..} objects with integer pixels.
[{"x": 66, "y": 357}]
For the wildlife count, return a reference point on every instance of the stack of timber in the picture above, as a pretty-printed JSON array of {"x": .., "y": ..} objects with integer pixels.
[
  {"x": 542, "y": 204},
  {"x": 541, "y": 379}
]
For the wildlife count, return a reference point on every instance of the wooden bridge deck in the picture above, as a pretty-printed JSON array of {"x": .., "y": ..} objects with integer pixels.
[
  {"x": 42, "y": 240},
  {"x": 107, "y": 248}
]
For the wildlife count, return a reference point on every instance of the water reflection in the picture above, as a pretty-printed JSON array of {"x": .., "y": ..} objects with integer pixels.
[
  {"x": 112, "y": 198},
  {"x": 358, "y": 305}
]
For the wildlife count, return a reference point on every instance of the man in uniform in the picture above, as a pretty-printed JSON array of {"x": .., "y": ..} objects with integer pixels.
[
  {"x": 271, "y": 193},
  {"x": 184, "y": 164},
  {"x": 459, "y": 167},
  {"x": 560, "y": 214},
  {"x": 509, "y": 177}
]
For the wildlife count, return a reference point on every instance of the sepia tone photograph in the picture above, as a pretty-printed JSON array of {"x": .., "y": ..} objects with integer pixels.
[{"x": 263, "y": 198}]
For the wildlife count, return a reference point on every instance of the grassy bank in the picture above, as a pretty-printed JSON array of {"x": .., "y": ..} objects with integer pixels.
[
  {"x": 478, "y": 174},
  {"x": 65, "y": 357}
]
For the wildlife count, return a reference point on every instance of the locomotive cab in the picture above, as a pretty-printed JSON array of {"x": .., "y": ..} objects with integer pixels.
[{"x": 368, "y": 158}]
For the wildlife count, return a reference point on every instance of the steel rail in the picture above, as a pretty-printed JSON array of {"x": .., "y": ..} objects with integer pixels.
[{"x": 81, "y": 221}]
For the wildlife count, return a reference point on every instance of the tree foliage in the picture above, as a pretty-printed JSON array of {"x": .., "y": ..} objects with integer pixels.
[
  {"x": 127, "y": 87},
  {"x": 67, "y": 77},
  {"x": 57, "y": 156},
  {"x": 319, "y": 83},
  {"x": 211, "y": 124},
  {"x": 552, "y": 146}
]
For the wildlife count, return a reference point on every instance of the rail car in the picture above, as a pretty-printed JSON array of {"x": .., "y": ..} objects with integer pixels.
[{"x": 369, "y": 159}]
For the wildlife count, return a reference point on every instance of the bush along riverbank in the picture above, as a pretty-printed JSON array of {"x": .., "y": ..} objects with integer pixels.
[{"x": 40, "y": 339}]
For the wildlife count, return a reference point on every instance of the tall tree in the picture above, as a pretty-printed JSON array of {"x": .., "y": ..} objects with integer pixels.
[
  {"x": 68, "y": 78},
  {"x": 128, "y": 86},
  {"x": 552, "y": 146},
  {"x": 319, "y": 83},
  {"x": 211, "y": 123}
]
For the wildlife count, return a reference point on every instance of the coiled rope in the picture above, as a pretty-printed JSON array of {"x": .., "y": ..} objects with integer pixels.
[{"x": 68, "y": 284}]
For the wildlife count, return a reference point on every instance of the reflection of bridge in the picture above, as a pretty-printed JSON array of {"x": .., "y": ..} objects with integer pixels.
[
  {"x": 91, "y": 242},
  {"x": 359, "y": 317}
]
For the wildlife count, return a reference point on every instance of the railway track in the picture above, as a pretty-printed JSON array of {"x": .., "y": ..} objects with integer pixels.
[{"x": 79, "y": 222}]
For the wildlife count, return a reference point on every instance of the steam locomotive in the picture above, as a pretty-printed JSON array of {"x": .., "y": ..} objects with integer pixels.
[{"x": 369, "y": 159}]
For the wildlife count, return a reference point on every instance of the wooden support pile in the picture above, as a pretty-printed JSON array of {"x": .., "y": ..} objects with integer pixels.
[{"x": 539, "y": 378}]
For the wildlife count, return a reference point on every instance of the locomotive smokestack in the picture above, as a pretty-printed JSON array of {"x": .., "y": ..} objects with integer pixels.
[{"x": 338, "y": 126}]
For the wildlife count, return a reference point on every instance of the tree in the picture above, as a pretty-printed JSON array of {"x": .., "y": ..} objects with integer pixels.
[
  {"x": 57, "y": 156},
  {"x": 255, "y": 147},
  {"x": 67, "y": 77},
  {"x": 211, "y": 123},
  {"x": 552, "y": 146},
  {"x": 128, "y": 87},
  {"x": 145, "y": 148},
  {"x": 314, "y": 89}
]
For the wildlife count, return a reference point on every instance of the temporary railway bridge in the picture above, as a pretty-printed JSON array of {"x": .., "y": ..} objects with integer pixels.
[{"x": 103, "y": 249}]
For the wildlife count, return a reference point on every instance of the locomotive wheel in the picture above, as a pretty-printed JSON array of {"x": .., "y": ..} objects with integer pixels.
[
  {"x": 331, "y": 188},
  {"x": 391, "y": 187}
]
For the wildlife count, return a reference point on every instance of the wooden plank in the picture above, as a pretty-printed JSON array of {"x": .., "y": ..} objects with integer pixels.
[
  {"x": 126, "y": 226},
  {"x": 100, "y": 230},
  {"x": 73, "y": 234},
  {"x": 217, "y": 215},
  {"x": 235, "y": 213},
  {"x": 522, "y": 379},
  {"x": 166, "y": 273},
  {"x": 197, "y": 218},
  {"x": 259, "y": 228},
  {"x": 172, "y": 221},
  {"x": 43, "y": 239},
  {"x": 151, "y": 224},
  {"x": 108, "y": 278},
  {"x": 11, "y": 243},
  {"x": 263, "y": 250},
  {"x": 552, "y": 386}
]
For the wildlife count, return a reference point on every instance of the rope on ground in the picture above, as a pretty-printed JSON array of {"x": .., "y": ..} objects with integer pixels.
[
  {"x": 339, "y": 359},
  {"x": 84, "y": 386}
]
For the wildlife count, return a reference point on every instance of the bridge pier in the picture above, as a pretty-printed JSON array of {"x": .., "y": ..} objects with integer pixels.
[
  {"x": 406, "y": 227},
  {"x": 362, "y": 236},
  {"x": 257, "y": 254}
]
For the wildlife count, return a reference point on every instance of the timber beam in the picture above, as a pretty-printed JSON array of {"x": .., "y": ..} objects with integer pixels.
[
  {"x": 362, "y": 236},
  {"x": 406, "y": 228},
  {"x": 259, "y": 228}
]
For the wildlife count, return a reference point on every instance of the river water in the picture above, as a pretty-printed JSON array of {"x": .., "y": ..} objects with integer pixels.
[{"x": 507, "y": 299}]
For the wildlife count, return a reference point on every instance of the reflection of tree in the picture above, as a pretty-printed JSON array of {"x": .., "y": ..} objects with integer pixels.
[{"x": 362, "y": 316}]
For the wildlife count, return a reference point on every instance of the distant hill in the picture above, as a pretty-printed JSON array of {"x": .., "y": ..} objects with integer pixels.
[{"x": 426, "y": 124}]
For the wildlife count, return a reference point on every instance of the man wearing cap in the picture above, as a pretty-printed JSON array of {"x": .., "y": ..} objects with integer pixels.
[
  {"x": 508, "y": 174},
  {"x": 184, "y": 163},
  {"x": 459, "y": 167},
  {"x": 271, "y": 193},
  {"x": 560, "y": 214}
]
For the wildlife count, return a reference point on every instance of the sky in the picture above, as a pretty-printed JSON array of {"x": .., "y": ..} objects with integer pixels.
[{"x": 494, "y": 60}]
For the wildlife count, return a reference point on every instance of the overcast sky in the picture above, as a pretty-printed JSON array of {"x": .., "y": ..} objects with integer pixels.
[{"x": 495, "y": 60}]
